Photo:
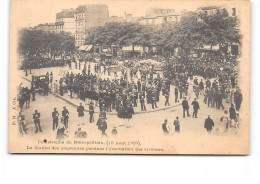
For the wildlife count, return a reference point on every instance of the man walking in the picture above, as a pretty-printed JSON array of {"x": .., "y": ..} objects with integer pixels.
[
  {"x": 55, "y": 117},
  {"x": 80, "y": 110},
  {"x": 91, "y": 112},
  {"x": 232, "y": 114},
  {"x": 209, "y": 124},
  {"x": 185, "y": 106},
  {"x": 65, "y": 115},
  {"x": 36, "y": 118},
  {"x": 196, "y": 107},
  {"x": 22, "y": 126},
  {"x": 141, "y": 97},
  {"x": 102, "y": 126},
  {"x": 238, "y": 99},
  {"x": 176, "y": 124},
  {"x": 165, "y": 127}
]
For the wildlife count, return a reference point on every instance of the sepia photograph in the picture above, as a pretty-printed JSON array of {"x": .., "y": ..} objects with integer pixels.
[{"x": 129, "y": 77}]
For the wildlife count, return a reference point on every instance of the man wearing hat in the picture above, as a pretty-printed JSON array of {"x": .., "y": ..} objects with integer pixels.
[
  {"x": 165, "y": 127},
  {"x": 196, "y": 107},
  {"x": 238, "y": 99},
  {"x": 185, "y": 106},
  {"x": 80, "y": 110},
  {"x": 36, "y": 118},
  {"x": 209, "y": 124},
  {"x": 55, "y": 117},
  {"x": 232, "y": 114},
  {"x": 91, "y": 112},
  {"x": 22, "y": 126},
  {"x": 141, "y": 97},
  {"x": 176, "y": 124},
  {"x": 167, "y": 98},
  {"x": 102, "y": 125},
  {"x": 65, "y": 115}
]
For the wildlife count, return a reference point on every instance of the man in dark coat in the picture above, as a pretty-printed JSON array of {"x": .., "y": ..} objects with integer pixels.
[
  {"x": 209, "y": 124},
  {"x": 36, "y": 118},
  {"x": 102, "y": 125},
  {"x": 232, "y": 113},
  {"x": 22, "y": 126},
  {"x": 238, "y": 99},
  {"x": 80, "y": 110},
  {"x": 139, "y": 85},
  {"x": 65, "y": 115},
  {"x": 196, "y": 107},
  {"x": 55, "y": 117},
  {"x": 176, "y": 124},
  {"x": 165, "y": 127},
  {"x": 201, "y": 86},
  {"x": 167, "y": 98},
  {"x": 141, "y": 97},
  {"x": 91, "y": 112},
  {"x": 185, "y": 106},
  {"x": 219, "y": 100}
]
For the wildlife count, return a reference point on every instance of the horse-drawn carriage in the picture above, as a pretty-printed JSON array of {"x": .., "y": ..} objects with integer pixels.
[{"x": 40, "y": 83}]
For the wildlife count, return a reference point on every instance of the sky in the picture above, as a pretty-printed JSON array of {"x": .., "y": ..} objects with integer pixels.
[{"x": 34, "y": 12}]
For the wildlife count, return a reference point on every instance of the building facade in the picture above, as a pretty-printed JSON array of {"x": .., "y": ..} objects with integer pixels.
[
  {"x": 212, "y": 10},
  {"x": 115, "y": 19},
  {"x": 86, "y": 17},
  {"x": 65, "y": 21},
  {"x": 47, "y": 27},
  {"x": 155, "y": 16}
]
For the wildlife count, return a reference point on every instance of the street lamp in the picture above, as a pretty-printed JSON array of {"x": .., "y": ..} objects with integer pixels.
[{"x": 26, "y": 74}]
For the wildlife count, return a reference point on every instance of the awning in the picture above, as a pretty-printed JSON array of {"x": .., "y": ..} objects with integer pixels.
[
  {"x": 85, "y": 47},
  {"x": 89, "y": 47},
  {"x": 82, "y": 47},
  {"x": 130, "y": 49},
  {"x": 208, "y": 47},
  {"x": 106, "y": 55},
  {"x": 149, "y": 61}
]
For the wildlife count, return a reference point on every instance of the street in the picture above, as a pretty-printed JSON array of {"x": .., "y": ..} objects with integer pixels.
[{"x": 150, "y": 124}]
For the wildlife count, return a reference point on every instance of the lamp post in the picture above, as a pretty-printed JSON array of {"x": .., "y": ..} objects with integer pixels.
[{"x": 26, "y": 65}]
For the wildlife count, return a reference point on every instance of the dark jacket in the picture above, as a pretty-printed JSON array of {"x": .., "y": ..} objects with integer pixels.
[
  {"x": 185, "y": 104},
  {"x": 209, "y": 124},
  {"x": 80, "y": 111},
  {"x": 36, "y": 117},
  {"x": 232, "y": 113},
  {"x": 237, "y": 97},
  {"x": 65, "y": 113},
  {"x": 195, "y": 105},
  {"x": 55, "y": 115}
]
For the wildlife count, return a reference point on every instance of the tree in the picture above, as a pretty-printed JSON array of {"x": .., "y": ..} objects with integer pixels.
[{"x": 33, "y": 43}]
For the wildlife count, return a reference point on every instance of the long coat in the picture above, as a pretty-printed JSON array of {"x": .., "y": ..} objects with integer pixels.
[
  {"x": 209, "y": 124},
  {"x": 80, "y": 111},
  {"x": 185, "y": 104},
  {"x": 195, "y": 105}
]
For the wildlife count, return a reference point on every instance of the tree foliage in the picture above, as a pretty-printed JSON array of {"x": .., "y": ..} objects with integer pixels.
[
  {"x": 194, "y": 30},
  {"x": 39, "y": 43}
]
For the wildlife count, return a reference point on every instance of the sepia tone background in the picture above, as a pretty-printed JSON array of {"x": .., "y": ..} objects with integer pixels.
[{"x": 191, "y": 143}]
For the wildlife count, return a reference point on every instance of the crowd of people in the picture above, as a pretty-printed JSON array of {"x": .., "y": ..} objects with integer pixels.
[
  {"x": 37, "y": 63},
  {"x": 212, "y": 77}
]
